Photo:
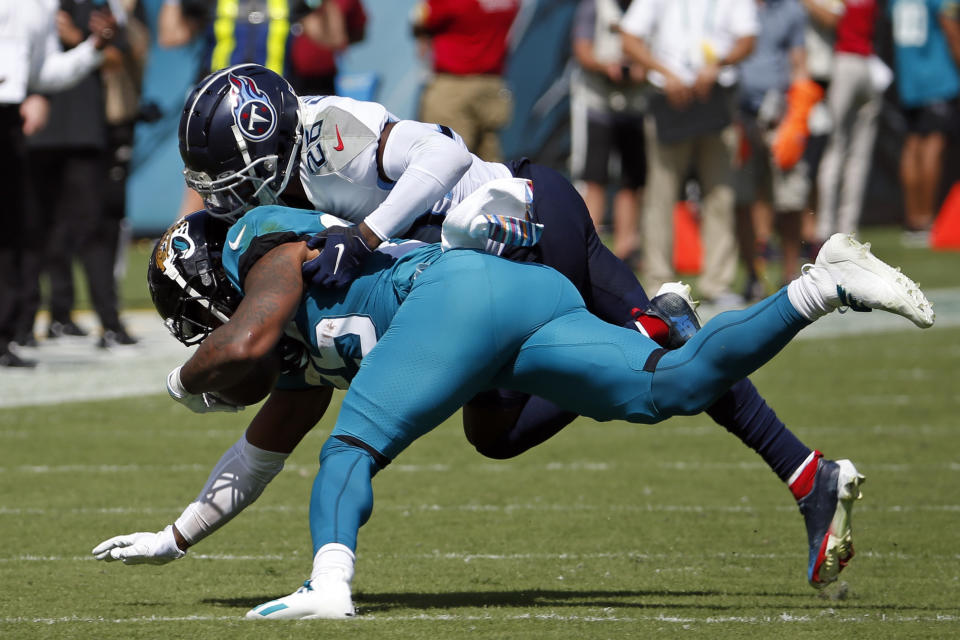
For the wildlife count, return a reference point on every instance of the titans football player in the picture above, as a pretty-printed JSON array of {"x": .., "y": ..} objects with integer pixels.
[
  {"x": 420, "y": 332},
  {"x": 246, "y": 139}
]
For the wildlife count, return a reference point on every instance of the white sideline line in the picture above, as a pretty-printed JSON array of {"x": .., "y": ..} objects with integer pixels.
[
  {"x": 783, "y": 618},
  {"x": 467, "y": 557}
]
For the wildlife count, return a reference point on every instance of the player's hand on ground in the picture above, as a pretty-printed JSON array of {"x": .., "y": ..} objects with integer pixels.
[
  {"x": 140, "y": 548},
  {"x": 342, "y": 253},
  {"x": 197, "y": 402}
]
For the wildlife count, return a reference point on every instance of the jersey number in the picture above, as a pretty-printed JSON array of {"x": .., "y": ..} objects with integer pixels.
[
  {"x": 315, "y": 157},
  {"x": 910, "y": 24},
  {"x": 342, "y": 343}
]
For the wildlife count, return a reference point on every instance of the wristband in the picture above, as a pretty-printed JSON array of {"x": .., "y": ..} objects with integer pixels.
[{"x": 175, "y": 385}]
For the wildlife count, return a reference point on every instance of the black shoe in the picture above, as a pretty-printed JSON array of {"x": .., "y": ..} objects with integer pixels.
[
  {"x": 26, "y": 340},
  {"x": 114, "y": 338},
  {"x": 10, "y": 359},
  {"x": 63, "y": 329}
]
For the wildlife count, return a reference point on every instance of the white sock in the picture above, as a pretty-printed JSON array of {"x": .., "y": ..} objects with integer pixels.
[
  {"x": 806, "y": 294},
  {"x": 333, "y": 558}
]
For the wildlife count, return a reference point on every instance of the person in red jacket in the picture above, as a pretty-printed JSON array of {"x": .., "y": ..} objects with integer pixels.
[
  {"x": 330, "y": 29},
  {"x": 468, "y": 43}
]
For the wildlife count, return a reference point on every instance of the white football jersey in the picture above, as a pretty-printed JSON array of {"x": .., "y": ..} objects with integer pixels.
[{"x": 338, "y": 160}]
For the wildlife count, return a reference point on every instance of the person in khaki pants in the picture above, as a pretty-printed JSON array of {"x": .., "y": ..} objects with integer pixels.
[
  {"x": 711, "y": 156},
  {"x": 468, "y": 44},
  {"x": 690, "y": 50}
]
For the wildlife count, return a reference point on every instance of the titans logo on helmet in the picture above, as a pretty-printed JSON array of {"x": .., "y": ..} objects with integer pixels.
[{"x": 253, "y": 113}]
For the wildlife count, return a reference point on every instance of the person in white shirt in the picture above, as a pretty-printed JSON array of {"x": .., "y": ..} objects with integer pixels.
[{"x": 690, "y": 48}]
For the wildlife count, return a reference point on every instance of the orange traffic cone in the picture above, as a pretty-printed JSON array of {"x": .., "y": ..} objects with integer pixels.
[
  {"x": 945, "y": 233},
  {"x": 687, "y": 250}
]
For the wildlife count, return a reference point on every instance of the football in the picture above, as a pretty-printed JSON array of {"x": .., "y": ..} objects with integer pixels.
[{"x": 256, "y": 385}]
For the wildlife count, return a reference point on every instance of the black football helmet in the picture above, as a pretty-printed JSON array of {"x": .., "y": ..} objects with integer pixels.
[
  {"x": 187, "y": 282},
  {"x": 240, "y": 138}
]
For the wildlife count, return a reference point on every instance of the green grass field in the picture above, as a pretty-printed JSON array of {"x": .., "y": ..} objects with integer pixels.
[{"x": 607, "y": 531}]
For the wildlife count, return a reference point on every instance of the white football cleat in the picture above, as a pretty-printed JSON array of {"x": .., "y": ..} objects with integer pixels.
[
  {"x": 848, "y": 275},
  {"x": 326, "y": 597},
  {"x": 682, "y": 290}
]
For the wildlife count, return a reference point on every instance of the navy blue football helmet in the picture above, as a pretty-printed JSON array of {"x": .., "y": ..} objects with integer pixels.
[
  {"x": 186, "y": 279},
  {"x": 240, "y": 138}
]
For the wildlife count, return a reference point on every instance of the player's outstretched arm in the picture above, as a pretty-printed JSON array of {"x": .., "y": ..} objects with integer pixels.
[{"x": 235, "y": 482}]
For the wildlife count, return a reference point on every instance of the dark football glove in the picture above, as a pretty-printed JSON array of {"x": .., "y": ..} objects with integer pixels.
[{"x": 342, "y": 253}]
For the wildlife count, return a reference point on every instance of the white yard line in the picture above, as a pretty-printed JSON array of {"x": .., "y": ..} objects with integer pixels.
[
  {"x": 459, "y": 556},
  {"x": 781, "y": 619},
  {"x": 19, "y": 511},
  {"x": 595, "y": 467}
]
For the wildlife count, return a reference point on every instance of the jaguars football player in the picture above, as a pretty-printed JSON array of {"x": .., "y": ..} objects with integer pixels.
[
  {"x": 418, "y": 333},
  {"x": 247, "y": 139}
]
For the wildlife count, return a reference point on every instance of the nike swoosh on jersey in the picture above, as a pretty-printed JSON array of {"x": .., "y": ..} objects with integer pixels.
[
  {"x": 235, "y": 244},
  {"x": 336, "y": 265},
  {"x": 339, "y": 146}
]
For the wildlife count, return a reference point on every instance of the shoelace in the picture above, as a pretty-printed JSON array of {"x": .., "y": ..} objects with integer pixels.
[{"x": 306, "y": 587}]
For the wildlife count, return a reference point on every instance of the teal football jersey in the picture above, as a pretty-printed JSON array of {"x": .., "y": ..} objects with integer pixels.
[{"x": 339, "y": 326}]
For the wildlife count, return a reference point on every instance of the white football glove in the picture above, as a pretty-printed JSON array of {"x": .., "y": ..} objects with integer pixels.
[
  {"x": 140, "y": 548},
  {"x": 197, "y": 402}
]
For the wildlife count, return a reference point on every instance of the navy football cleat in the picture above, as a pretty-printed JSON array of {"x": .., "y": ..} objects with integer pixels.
[
  {"x": 674, "y": 306},
  {"x": 826, "y": 512}
]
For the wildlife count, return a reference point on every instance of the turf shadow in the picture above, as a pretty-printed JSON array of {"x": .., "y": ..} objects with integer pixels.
[{"x": 626, "y": 598}]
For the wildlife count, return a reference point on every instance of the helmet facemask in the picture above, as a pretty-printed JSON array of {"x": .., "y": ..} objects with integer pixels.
[
  {"x": 232, "y": 194},
  {"x": 196, "y": 316}
]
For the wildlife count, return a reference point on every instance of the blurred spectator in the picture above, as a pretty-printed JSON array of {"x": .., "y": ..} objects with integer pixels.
[
  {"x": 854, "y": 102},
  {"x": 321, "y": 35},
  {"x": 822, "y": 18},
  {"x": 236, "y": 31},
  {"x": 468, "y": 43},
  {"x": 926, "y": 38},
  {"x": 122, "y": 75},
  {"x": 607, "y": 103},
  {"x": 239, "y": 31},
  {"x": 775, "y": 100},
  {"x": 31, "y": 60},
  {"x": 67, "y": 178},
  {"x": 690, "y": 49}
]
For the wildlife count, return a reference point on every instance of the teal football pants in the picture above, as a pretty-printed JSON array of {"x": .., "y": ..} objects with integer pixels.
[{"x": 472, "y": 322}]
